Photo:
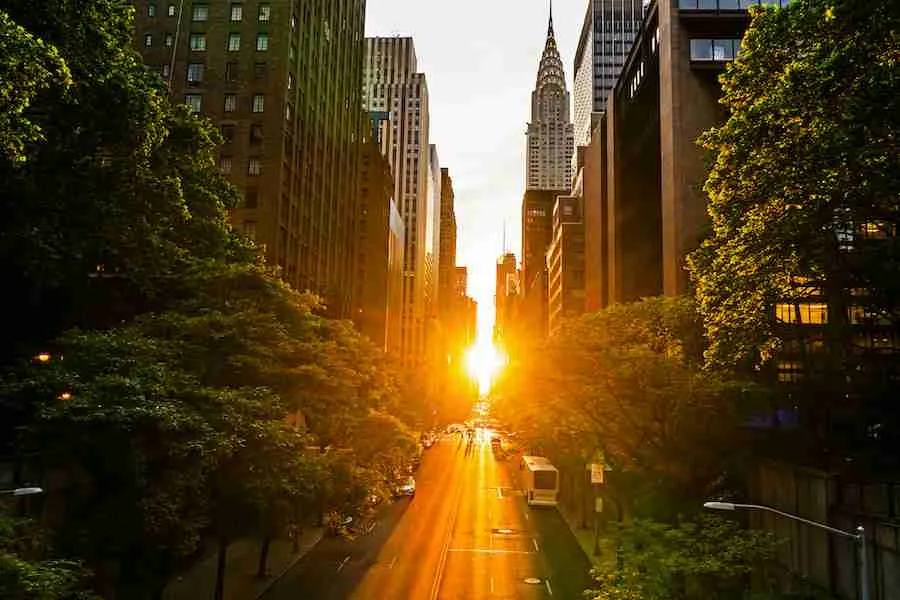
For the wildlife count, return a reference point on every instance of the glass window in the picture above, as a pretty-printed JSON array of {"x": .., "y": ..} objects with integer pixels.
[
  {"x": 151, "y": 10},
  {"x": 171, "y": 10},
  {"x": 228, "y": 133},
  {"x": 545, "y": 480},
  {"x": 706, "y": 5},
  {"x": 237, "y": 13},
  {"x": 148, "y": 40},
  {"x": 264, "y": 13},
  {"x": 166, "y": 70},
  {"x": 231, "y": 69},
  {"x": 200, "y": 13},
  {"x": 195, "y": 101},
  {"x": 254, "y": 166},
  {"x": 250, "y": 229},
  {"x": 251, "y": 198},
  {"x": 259, "y": 103},
  {"x": 230, "y": 103},
  {"x": 723, "y": 50},
  {"x": 168, "y": 40},
  {"x": 234, "y": 42},
  {"x": 701, "y": 50},
  {"x": 262, "y": 41},
  {"x": 749, "y": 3},
  {"x": 195, "y": 72},
  {"x": 290, "y": 81},
  {"x": 256, "y": 133},
  {"x": 729, "y": 4},
  {"x": 259, "y": 70},
  {"x": 198, "y": 41},
  {"x": 225, "y": 165}
]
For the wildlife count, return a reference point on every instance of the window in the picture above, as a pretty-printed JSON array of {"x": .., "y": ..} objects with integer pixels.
[
  {"x": 198, "y": 41},
  {"x": 251, "y": 198},
  {"x": 230, "y": 103},
  {"x": 200, "y": 13},
  {"x": 234, "y": 42},
  {"x": 228, "y": 133},
  {"x": 264, "y": 13},
  {"x": 195, "y": 101},
  {"x": 250, "y": 229},
  {"x": 259, "y": 103},
  {"x": 237, "y": 13},
  {"x": 231, "y": 71},
  {"x": 254, "y": 166},
  {"x": 293, "y": 52},
  {"x": 195, "y": 72},
  {"x": 293, "y": 22},
  {"x": 288, "y": 112},
  {"x": 171, "y": 10},
  {"x": 290, "y": 81},
  {"x": 225, "y": 165},
  {"x": 723, "y": 50},
  {"x": 169, "y": 40},
  {"x": 151, "y": 10},
  {"x": 259, "y": 70},
  {"x": 165, "y": 71},
  {"x": 256, "y": 133},
  {"x": 262, "y": 42},
  {"x": 148, "y": 40}
]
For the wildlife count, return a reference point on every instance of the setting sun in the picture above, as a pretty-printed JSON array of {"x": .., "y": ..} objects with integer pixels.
[{"x": 484, "y": 361}]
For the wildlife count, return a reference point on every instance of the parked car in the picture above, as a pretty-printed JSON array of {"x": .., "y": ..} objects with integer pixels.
[{"x": 406, "y": 486}]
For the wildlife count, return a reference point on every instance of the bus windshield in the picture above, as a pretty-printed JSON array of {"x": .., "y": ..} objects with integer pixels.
[{"x": 545, "y": 480}]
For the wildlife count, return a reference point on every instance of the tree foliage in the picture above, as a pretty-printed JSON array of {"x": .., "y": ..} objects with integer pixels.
[
  {"x": 710, "y": 559},
  {"x": 806, "y": 172},
  {"x": 626, "y": 382}
]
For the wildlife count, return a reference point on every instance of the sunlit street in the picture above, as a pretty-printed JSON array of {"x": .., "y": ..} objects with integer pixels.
[{"x": 467, "y": 534}]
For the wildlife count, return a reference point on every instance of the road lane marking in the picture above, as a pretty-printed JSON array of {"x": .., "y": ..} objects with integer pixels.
[
  {"x": 499, "y": 494},
  {"x": 526, "y": 516},
  {"x": 492, "y": 585},
  {"x": 343, "y": 562},
  {"x": 393, "y": 561},
  {"x": 534, "y": 541},
  {"x": 451, "y": 524},
  {"x": 489, "y": 551},
  {"x": 549, "y": 589}
]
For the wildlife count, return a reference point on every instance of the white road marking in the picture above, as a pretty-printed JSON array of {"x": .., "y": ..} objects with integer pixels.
[
  {"x": 526, "y": 516},
  {"x": 343, "y": 562},
  {"x": 549, "y": 589},
  {"x": 393, "y": 562},
  {"x": 536, "y": 548},
  {"x": 492, "y": 585},
  {"x": 499, "y": 494}
]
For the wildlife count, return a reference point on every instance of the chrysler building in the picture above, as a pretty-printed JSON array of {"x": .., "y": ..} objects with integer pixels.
[{"x": 550, "y": 132}]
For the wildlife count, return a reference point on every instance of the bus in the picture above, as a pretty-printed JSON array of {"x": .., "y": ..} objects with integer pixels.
[{"x": 540, "y": 481}]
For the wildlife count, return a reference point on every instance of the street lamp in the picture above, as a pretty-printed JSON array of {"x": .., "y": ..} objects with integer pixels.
[
  {"x": 859, "y": 536},
  {"x": 25, "y": 491}
]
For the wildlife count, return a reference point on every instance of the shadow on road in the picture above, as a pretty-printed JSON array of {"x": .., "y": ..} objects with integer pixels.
[{"x": 569, "y": 568}]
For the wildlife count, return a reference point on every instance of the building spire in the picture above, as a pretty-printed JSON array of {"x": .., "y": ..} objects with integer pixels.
[{"x": 550, "y": 24}]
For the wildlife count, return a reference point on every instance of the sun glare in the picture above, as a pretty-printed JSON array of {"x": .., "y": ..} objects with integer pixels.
[{"x": 484, "y": 362}]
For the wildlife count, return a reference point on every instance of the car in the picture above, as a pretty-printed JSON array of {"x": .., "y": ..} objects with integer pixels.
[{"x": 406, "y": 486}]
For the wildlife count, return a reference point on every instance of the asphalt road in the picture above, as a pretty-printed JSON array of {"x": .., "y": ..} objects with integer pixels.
[{"x": 466, "y": 535}]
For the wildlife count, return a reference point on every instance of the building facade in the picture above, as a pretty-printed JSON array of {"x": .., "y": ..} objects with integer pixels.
[
  {"x": 379, "y": 264},
  {"x": 565, "y": 263},
  {"x": 506, "y": 299},
  {"x": 391, "y": 84},
  {"x": 281, "y": 80},
  {"x": 537, "y": 233},
  {"x": 447, "y": 259},
  {"x": 432, "y": 236},
  {"x": 608, "y": 31},
  {"x": 550, "y": 140}
]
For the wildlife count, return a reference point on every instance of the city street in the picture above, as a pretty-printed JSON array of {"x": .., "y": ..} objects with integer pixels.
[{"x": 467, "y": 534}]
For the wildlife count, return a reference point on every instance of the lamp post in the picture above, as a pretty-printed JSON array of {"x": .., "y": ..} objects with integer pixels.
[
  {"x": 25, "y": 491},
  {"x": 859, "y": 536}
]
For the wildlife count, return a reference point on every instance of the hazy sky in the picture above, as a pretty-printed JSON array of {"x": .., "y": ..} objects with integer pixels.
[{"x": 480, "y": 58}]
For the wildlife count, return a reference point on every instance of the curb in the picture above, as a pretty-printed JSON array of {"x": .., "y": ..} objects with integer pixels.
[{"x": 275, "y": 579}]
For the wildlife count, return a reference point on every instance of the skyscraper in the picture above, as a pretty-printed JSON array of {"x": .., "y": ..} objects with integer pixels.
[
  {"x": 550, "y": 133},
  {"x": 608, "y": 31},
  {"x": 432, "y": 235},
  {"x": 391, "y": 84},
  {"x": 262, "y": 75},
  {"x": 447, "y": 259}
]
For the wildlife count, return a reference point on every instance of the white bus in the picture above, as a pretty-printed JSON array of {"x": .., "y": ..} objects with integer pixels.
[{"x": 540, "y": 481}]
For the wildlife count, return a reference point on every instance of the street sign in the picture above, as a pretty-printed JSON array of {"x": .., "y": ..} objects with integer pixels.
[{"x": 597, "y": 475}]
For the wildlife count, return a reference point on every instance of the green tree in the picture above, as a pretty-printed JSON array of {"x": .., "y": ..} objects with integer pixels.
[
  {"x": 627, "y": 381},
  {"x": 803, "y": 200},
  {"x": 707, "y": 559},
  {"x": 24, "y": 578}
]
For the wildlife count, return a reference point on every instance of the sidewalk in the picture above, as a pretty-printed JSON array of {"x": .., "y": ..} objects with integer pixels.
[{"x": 241, "y": 582}]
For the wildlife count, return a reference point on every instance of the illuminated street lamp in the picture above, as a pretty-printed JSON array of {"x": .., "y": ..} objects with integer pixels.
[
  {"x": 859, "y": 536},
  {"x": 43, "y": 357},
  {"x": 25, "y": 491}
]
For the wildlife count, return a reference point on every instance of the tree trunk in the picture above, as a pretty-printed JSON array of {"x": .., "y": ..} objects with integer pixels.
[
  {"x": 262, "y": 567},
  {"x": 220, "y": 570}
]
